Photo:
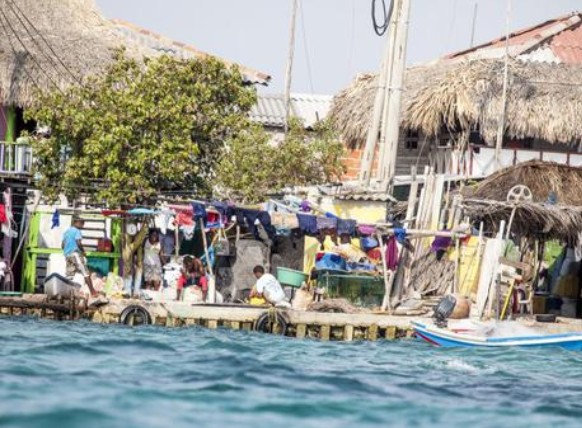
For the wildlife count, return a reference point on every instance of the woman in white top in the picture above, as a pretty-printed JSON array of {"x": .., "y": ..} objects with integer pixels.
[{"x": 152, "y": 261}]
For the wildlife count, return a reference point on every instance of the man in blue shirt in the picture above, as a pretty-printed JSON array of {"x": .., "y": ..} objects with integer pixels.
[{"x": 75, "y": 254}]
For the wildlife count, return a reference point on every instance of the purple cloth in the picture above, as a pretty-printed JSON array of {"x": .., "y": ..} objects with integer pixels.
[
  {"x": 326, "y": 223},
  {"x": 366, "y": 230},
  {"x": 346, "y": 227},
  {"x": 392, "y": 254},
  {"x": 307, "y": 223},
  {"x": 440, "y": 243},
  {"x": 305, "y": 207}
]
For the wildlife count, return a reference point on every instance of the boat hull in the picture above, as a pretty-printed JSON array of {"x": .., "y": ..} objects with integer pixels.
[{"x": 448, "y": 339}]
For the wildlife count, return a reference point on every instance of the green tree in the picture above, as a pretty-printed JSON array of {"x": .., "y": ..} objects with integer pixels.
[
  {"x": 139, "y": 128},
  {"x": 253, "y": 167}
]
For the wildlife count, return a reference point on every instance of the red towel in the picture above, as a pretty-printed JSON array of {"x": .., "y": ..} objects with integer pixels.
[{"x": 3, "y": 218}]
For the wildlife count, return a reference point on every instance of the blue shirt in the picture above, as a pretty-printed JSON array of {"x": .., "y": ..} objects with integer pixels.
[{"x": 70, "y": 238}]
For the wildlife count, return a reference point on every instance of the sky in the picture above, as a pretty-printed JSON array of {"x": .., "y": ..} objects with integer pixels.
[{"x": 335, "y": 39}]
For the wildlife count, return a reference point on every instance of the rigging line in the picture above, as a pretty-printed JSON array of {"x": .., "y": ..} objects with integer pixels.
[
  {"x": 352, "y": 44},
  {"x": 306, "y": 48},
  {"x": 20, "y": 14},
  {"x": 32, "y": 79},
  {"x": 27, "y": 51}
]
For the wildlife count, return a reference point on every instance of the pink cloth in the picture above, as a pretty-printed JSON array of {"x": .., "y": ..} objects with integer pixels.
[
  {"x": 367, "y": 230},
  {"x": 392, "y": 254}
]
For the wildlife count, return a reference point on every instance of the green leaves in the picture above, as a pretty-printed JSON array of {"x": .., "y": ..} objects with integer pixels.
[
  {"x": 140, "y": 128},
  {"x": 254, "y": 166}
]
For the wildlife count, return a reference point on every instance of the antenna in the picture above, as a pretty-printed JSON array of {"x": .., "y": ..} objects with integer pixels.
[{"x": 474, "y": 24}]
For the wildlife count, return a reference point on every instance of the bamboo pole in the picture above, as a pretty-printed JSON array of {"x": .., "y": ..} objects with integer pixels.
[{"x": 387, "y": 287}]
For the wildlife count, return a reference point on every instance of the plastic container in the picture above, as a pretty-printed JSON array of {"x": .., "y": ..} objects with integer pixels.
[
  {"x": 290, "y": 277},
  {"x": 57, "y": 285}
]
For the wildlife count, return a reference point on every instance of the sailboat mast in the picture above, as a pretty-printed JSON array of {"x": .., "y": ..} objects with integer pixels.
[
  {"x": 502, "y": 115},
  {"x": 395, "y": 88},
  {"x": 291, "y": 54}
]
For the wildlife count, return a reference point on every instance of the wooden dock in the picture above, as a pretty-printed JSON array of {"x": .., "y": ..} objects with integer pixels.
[{"x": 291, "y": 323}]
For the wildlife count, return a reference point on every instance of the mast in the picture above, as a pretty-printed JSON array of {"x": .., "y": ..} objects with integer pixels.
[
  {"x": 372, "y": 137},
  {"x": 501, "y": 125},
  {"x": 395, "y": 88},
  {"x": 291, "y": 54}
]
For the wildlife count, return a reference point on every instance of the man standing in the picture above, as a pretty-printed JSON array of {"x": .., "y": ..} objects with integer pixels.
[
  {"x": 75, "y": 254},
  {"x": 268, "y": 287}
]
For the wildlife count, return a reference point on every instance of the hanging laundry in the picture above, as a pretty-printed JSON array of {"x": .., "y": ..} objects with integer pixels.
[
  {"x": 346, "y": 227},
  {"x": 184, "y": 218},
  {"x": 326, "y": 223},
  {"x": 307, "y": 223},
  {"x": 392, "y": 254},
  {"x": 250, "y": 217},
  {"x": 56, "y": 219},
  {"x": 367, "y": 229},
  {"x": 440, "y": 243},
  {"x": 305, "y": 206},
  {"x": 3, "y": 217},
  {"x": 199, "y": 212},
  {"x": 226, "y": 210},
  {"x": 284, "y": 220}
]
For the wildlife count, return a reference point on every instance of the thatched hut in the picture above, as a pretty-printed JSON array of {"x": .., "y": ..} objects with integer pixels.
[
  {"x": 457, "y": 100},
  {"x": 546, "y": 180},
  {"x": 54, "y": 43},
  {"x": 555, "y": 211}
]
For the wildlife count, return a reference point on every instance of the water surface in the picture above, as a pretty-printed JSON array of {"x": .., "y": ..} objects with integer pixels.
[{"x": 73, "y": 374}]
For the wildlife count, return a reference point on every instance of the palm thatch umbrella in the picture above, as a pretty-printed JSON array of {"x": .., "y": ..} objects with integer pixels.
[
  {"x": 53, "y": 43},
  {"x": 542, "y": 178},
  {"x": 544, "y": 100}
]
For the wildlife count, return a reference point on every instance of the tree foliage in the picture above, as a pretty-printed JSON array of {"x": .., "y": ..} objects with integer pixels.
[
  {"x": 253, "y": 166},
  {"x": 139, "y": 128}
]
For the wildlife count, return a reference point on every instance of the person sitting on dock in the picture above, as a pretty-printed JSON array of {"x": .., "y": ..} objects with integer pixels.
[
  {"x": 192, "y": 275},
  {"x": 268, "y": 287},
  {"x": 75, "y": 254}
]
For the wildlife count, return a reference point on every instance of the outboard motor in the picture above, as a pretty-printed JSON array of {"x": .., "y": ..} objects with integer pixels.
[{"x": 443, "y": 310}]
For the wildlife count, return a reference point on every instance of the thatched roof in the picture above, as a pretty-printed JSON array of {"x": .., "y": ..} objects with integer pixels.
[
  {"x": 542, "y": 178},
  {"x": 45, "y": 43},
  {"x": 543, "y": 221},
  {"x": 544, "y": 100},
  {"x": 48, "y": 43}
]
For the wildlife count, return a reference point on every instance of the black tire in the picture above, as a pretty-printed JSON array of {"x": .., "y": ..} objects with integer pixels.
[
  {"x": 135, "y": 315},
  {"x": 546, "y": 318},
  {"x": 264, "y": 325}
]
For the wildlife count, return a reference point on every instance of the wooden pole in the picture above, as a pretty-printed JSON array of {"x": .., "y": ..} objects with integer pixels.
[
  {"x": 289, "y": 70},
  {"x": 395, "y": 96},
  {"x": 372, "y": 136},
  {"x": 501, "y": 124},
  {"x": 387, "y": 288}
]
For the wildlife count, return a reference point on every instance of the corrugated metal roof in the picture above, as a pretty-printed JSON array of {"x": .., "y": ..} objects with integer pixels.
[
  {"x": 270, "y": 109},
  {"x": 556, "y": 41},
  {"x": 367, "y": 197},
  {"x": 164, "y": 44}
]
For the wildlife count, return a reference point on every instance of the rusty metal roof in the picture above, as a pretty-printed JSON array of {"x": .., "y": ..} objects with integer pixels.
[
  {"x": 556, "y": 41},
  {"x": 164, "y": 44}
]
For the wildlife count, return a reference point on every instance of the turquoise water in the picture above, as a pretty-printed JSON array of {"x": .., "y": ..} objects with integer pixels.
[{"x": 85, "y": 375}]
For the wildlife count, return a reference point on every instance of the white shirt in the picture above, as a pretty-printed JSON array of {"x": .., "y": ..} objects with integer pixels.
[
  {"x": 270, "y": 288},
  {"x": 152, "y": 254}
]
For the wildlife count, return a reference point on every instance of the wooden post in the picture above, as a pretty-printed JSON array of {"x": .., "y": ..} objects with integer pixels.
[
  {"x": 373, "y": 332},
  {"x": 387, "y": 288},
  {"x": 390, "y": 332},
  {"x": 324, "y": 332},
  {"x": 348, "y": 333},
  {"x": 301, "y": 331}
]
